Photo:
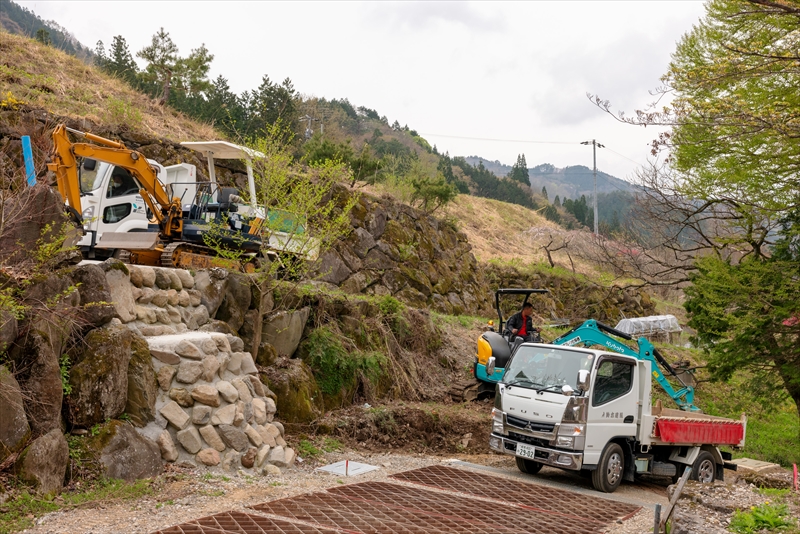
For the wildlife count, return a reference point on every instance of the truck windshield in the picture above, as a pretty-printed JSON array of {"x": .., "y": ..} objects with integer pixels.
[
  {"x": 92, "y": 175},
  {"x": 541, "y": 367}
]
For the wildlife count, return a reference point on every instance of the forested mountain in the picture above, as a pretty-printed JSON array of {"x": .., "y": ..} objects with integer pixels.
[{"x": 21, "y": 21}]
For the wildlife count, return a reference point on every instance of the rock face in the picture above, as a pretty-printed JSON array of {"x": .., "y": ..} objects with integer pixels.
[
  {"x": 125, "y": 454},
  {"x": 14, "y": 427},
  {"x": 100, "y": 379},
  {"x": 43, "y": 464},
  {"x": 394, "y": 249}
]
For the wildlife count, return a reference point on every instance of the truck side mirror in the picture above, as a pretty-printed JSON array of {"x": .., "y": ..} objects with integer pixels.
[
  {"x": 490, "y": 367},
  {"x": 583, "y": 380}
]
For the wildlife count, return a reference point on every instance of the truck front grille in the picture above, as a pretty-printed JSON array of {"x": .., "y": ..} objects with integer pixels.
[
  {"x": 527, "y": 439},
  {"x": 531, "y": 426}
]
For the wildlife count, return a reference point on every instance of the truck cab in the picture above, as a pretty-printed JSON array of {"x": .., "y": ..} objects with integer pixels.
[
  {"x": 112, "y": 201},
  {"x": 589, "y": 410}
]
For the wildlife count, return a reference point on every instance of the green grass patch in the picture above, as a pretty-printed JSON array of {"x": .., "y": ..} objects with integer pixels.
[
  {"x": 337, "y": 368},
  {"x": 20, "y": 512},
  {"x": 766, "y": 516},
  {"x": 307, "y": 449},
  {"x": 465, "y": 321}
]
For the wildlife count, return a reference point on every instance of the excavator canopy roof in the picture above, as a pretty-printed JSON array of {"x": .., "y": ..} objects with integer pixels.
[{"x": 223, "y": 149}]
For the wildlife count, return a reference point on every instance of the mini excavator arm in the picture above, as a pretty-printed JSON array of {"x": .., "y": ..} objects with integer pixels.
[{"x": 592, "y": 333}]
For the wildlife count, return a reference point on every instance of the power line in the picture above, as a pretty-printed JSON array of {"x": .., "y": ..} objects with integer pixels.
[{"x": 502, "y": 140}]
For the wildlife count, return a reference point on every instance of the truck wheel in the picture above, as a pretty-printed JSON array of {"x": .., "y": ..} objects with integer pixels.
[
  {"x": 528, "y": 466},
  {"x": 703, "y": 468},
  {"x": 608, "y": 475}
]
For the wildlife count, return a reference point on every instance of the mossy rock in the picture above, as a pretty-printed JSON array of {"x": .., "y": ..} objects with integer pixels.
[{"x": 299, "y": 397}]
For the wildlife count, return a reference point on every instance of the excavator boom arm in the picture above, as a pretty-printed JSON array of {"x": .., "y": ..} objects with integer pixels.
[
  {"x": 592, "y": 333},
  {"x": 65, "y": 167}
]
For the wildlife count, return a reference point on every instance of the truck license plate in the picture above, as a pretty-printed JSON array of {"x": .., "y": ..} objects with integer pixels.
[{"x": 526, "y": 451}]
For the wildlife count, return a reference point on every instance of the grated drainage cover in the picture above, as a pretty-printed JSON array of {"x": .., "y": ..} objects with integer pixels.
[
  {"x": 241, "y": 523},
  {"x": 533, "y": 496},
  {"x": 507, "y": 518},
  {"x": 493, "y": 505},
  {"x": 377, "y": 514}
]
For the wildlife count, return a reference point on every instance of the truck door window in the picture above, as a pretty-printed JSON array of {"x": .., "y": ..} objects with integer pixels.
[
  {"x": 116, "y": 213},
  {"x": 614, "y": 379},
  {"x": 122, "y": 183}
]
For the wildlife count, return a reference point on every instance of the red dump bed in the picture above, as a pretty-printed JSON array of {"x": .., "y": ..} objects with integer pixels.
[{"x": 697, "y": 431}]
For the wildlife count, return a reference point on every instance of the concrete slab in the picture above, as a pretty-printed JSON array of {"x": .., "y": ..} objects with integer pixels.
[{"x": 756, "y": 466}]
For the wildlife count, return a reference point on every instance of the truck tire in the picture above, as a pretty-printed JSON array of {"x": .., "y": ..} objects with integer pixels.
[
  {"x": 528, "y": 466},
  {"x": 608, "y": 475},
  {"x": 704, "y": 468}
]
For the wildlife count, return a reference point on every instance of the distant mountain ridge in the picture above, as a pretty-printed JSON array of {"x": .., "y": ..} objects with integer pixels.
[
  {"x": 568, "y": 182},
  {"x": 22, "y": 21}
]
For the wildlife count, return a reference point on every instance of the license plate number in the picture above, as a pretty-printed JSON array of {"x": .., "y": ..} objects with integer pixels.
[{"x": 526, "y": 451}]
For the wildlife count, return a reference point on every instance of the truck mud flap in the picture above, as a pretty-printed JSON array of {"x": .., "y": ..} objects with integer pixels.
[{"x": 128, "y": 240}]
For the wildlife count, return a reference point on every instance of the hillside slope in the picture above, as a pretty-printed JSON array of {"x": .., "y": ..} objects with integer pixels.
[{"x": 41, "y": 77}]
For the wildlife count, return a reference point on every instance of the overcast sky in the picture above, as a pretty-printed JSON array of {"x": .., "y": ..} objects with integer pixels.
[{"x": 493, "y": 79}]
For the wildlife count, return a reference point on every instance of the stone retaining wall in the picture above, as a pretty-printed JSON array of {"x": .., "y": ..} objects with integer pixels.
[{"x": 212, "y": 409}]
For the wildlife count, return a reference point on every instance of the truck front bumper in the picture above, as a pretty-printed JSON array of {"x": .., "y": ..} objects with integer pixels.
[{"x": 554, "y": 457}]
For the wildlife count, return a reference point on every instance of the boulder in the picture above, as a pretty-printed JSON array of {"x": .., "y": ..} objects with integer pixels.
[
  {"x": 148, "y": 275},
  {"x": 224, "y": 415},
  {"x": 187, "y": 349},
  {"x": 14, "y": 427},
  {"x": 119, "y": 286},
  {"x": 96, "y": 301},
  {"x": 189, "y": 438},
  {"x": 206, "y": 394},
  {"x": 125, "y": 454},
  {"x": 201, "y": 414},
  {"x": 332, "y": 268},
  {"x": 267, "y": 354},
  {"x": 169, "y": 452},
  {"x": 142, "y": 384},
  {"x": 163, "y": 280},
  {"x": 212, "y": 285},
  {"x": 249, "y": 458},
  {"x": 43, "y": 463},
  {"x": 41, "y": 386},
  {"x": 227, "y": 390},
  {"x": 211, "y": 436},
  {"x": 185, "y": 277},
  {"x": 189, "y": 372},
  {"x": 100, "y": 380},
  {"x": 233, "y": 437},
  {"x": 208, "y": 457},
  {"x": 33, "y": 214},
  {"x": 236, "y": 301},
  {"x": 182, "y": 397},
  {"x": 284, "y": 329},
  {"x": 165, "y": 375},
  {"x": 173, "y": 413},
  {"x": 298, "y": 393}
]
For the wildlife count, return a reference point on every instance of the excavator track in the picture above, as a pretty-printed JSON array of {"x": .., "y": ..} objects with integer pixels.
[{"x": 189, "y": 256}]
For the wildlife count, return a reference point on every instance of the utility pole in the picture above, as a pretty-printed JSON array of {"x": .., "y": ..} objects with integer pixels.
[{"x": 595, "y": 146}]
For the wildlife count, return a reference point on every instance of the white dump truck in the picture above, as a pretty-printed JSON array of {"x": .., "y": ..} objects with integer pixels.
[{"x": 590, "y": 410}]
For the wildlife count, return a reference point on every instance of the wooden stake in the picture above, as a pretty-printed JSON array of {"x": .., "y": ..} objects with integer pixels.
[{"x": 674, "y": 499}]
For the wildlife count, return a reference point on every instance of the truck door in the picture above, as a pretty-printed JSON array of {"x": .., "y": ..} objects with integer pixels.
[
  {"x": 613, "y": 410},
  {"x": 122, "y": 208}
]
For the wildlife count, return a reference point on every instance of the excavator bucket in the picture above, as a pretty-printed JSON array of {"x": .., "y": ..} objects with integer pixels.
[{"x": 128, "y": 240}]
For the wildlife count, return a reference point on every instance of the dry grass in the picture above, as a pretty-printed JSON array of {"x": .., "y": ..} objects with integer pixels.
[{"x": 41, "y": 77}]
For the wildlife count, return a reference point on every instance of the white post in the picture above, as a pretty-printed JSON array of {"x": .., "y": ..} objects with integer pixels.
[{"x": 594, "y": 158}]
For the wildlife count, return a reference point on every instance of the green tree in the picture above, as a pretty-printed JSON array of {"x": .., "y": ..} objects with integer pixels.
[
  {"x": 43, "y": 36},
  {"x": 162, "y": 62},
  {"x": 746, "y": 316},
  {"x": 519, "y": 171},
  {"x": 544, "y": 192},
  {"x": 165, "y": 67},
  {"x": 119, "y": 61}
]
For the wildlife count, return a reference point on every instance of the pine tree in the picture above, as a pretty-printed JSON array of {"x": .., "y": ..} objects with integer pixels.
[{"x": 519, "y": 172}]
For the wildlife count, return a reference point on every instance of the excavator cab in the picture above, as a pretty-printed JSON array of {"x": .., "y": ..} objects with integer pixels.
[{"x": 495, "y": 347}]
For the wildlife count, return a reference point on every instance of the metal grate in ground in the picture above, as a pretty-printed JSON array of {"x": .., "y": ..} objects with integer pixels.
[
  {"x": 372, "y": 516},
  {"x": 508, "y": 518},
  {"x": 241, "y": 523},
  {"x": 533, "y": 496}
]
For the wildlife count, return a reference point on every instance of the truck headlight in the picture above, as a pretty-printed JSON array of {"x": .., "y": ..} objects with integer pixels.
[
  {"x": 564, "y": 442},
  {"x": 497, "y": 422},
  {"x": 572, "y": 430}
]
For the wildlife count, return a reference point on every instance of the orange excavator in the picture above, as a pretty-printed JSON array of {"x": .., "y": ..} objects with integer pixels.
[{"x": 178, "y": 226}]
